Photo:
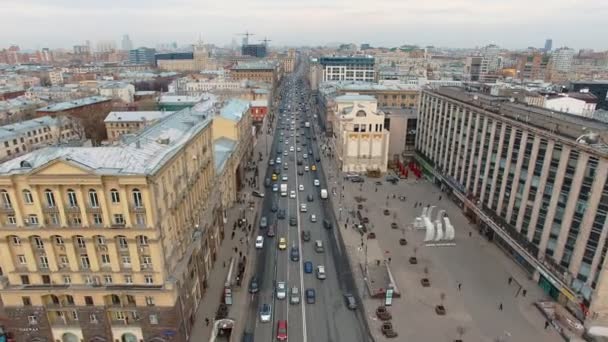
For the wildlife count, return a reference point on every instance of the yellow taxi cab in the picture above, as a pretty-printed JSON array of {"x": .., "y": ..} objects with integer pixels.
[
  {"x": 282, "y": 243},
  {"x": 313, "y": 167},
  {"x": 274, "y": 177}
]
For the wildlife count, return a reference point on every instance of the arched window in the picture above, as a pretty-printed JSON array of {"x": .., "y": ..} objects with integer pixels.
[
  {"x": 6, "y": 199},
  {"x": 137, "y": 200},
  {"x": 27, "y": 197},
  {"x": 72, "y": 200},
  {"x": 115, "y": 196},
  {"x": 50, "y": 198},
  {"x": 361, "y": 113},
  {"x": 93, "y": 200}
]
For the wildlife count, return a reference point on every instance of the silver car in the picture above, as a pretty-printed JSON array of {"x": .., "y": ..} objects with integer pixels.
[
  {"x": 294, "y": 297},
  {"x": 281, "y": 290}
]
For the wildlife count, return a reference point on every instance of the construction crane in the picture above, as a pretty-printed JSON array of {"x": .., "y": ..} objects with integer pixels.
[
  {"x": 247, "y": 35},
  {"x": 266, "y": 40}
]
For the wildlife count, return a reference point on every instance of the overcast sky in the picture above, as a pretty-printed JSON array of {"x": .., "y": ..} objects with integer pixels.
[{"x": 448, "y": 23}]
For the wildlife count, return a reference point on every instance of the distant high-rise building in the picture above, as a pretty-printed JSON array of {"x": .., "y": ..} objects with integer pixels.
[
  {"x": 106, "y": 46},
  {"x": 255, "y": 50},
  {"x": 562, "y": 58},
  {"x": 348, "y": 68},
  {"x": 126, "y": 44},
  {"x": 142, "y": 55},
  {"x": 548, "y": 44},
  {"x": 82, "y": 49}
]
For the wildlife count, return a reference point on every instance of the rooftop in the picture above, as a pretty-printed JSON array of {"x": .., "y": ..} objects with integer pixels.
[
  {"x": 567, "y": 125},
  {"x": 354, "y": 97},
  {"x": 16, "y": 129},
  {"x": 222, "y": 149},
  {"x": 169, "y": 98},
  {"x": 58, "y": 107},
  {"x": 234, "y": 109},
  {"x": 139, "y": 154},
  {"x": 259, "y": 103},
  {"x": 114, "y": 85},
  {"x": 136, "y": 116},
  {"x": 257, "y": 65},
  {"x": 369, "y": 86}
]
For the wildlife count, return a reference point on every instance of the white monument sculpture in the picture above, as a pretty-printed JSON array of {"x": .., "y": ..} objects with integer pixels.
[{"x": 441, "y": 230}]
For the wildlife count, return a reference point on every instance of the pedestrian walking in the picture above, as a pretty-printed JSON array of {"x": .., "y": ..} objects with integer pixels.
[
  {"x": 459, "y": 286},
  {"x": 546, "y": 324},
  {"x": 510, "y": 280},
  {"x": 440, "y": 198},
  {"x": 207, "y": 321},
  {"x": 470, "y": 234},
  {"x": 236, "y": 249},
  {"x": 389, "y": 260},
  {"x": 524, "y": 292},
  {"x": 240, "y": 254},
  {"x": 232, "y": 236},
  {"x": 500, "y": 306}
]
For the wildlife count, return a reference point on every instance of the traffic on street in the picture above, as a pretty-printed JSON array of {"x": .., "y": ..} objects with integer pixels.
[{"x": 302, "y": 287}]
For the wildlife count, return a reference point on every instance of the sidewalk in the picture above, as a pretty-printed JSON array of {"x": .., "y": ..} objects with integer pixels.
[{"x": 201, "y": 332}]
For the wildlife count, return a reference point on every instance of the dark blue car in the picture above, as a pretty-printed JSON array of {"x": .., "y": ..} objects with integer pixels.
[{"x": 308, "y": 267}]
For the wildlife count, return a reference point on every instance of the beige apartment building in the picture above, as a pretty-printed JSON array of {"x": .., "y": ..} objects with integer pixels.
[
  {"x": 362, "y": 142},
  {"x": 114, "y": 243},
  {"x": 535, "y": 180},
  {"x": 119, "y": 123}
]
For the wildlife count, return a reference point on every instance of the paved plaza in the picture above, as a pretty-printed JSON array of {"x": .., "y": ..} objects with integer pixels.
[{"x": 479, "y": 266}]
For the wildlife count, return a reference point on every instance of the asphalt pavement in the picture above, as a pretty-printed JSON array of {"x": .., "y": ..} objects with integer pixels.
[{"x": 328, "y": 319}]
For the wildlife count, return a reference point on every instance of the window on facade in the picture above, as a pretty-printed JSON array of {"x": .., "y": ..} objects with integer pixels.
[
  {"x": 115, "y": 196},
  {"x": 6, "y": 199},
  {"x": 27, "y": 197},
  {"x": 140, "y": 219},
  {"x": 88, "y": 300},
  {"x": 137, "y": 200},
  {"x": 84, "y": 262},
  {"x": 356, "y": 128},
  {"x": 32, "y": 219},
  {"x": 93, "y": 200},
  {"x": 46, "y": 279},
  {"x": 59, "y": 241},
  {"x": 81, "y": 242},
  {"x": 142, "y": 240},
  {"x": 72, "y": 200},
  {"x": 146, "y": 260},
  {"x": 50, "y": 198},
  {"x": 25, "y": 280},
  {"x": 22, "y": 259},
  {"x": 67, "y": 279},
  {"x": 149, "y": 279},
  {"x": 105, "y": 259},
  {"x": 54, "y": 219},
  {"x": 10, "y": 219},
  {"x": 119, "y": 219},
  {"x": 75, "y": 315},
  {"x": 44, "y": 262},
  {"x": 101, "y": 240},
  {"x": 122, "y": 242},
  {"x": 16, "y": 241},
  {"x": 154, "y": 319},
  {"x": 149, "y": 301},
  {"x": 126, "y": 260},
  {"x": 97, "y": 219},
  {"x": 27, "y": 301},
  {"x": 38, "y": 242},
  {"x": 128, "y": 279},
  {"x": 93, "y": 318},
  {"x": 63, "y": 260},
  {"x": 107, "y": 279}
]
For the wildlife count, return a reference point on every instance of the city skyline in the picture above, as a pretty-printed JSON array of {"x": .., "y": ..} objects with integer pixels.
[{"x": 471, "y": 23}]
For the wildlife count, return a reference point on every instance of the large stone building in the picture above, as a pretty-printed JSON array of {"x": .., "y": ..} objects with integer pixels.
[
  {"x": 536, "y": 182},
  {"x": 119, "y": 123},
  {"x": 361, "y": 141},
  {"x": 121, "y": 91},
  {"x": 263, "y": 71},
  {"x": 22, "y": 137},
  {"x": 348, "y": 68},
  {"x": 116, "y": 243}
]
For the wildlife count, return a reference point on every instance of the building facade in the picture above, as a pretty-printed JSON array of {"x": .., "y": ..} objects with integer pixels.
[
  {"x": 119, "y": 123},
  {"x": 348, "y": 68},
  {"x": 267, "y": 72},
  {"x": 124, "y": 236},
  {"x": 121, "y": 91},
  {"x": 361, "y": 142},
  {"x": 537, "y": 187},
  {"x": 142, "y": 55}
]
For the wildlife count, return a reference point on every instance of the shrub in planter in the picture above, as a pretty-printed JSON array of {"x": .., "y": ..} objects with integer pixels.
[
  {"x": 426, "y": 282},
  {"x": 413, "y": 260}
]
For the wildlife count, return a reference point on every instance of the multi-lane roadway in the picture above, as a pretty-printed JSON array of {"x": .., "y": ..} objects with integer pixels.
[{"x": 328, "y": 319}]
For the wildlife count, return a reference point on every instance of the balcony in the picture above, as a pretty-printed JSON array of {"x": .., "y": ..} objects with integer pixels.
[
  {"x": 7, "y": 209},
  {"x": 50, "y": 209},
  {"x": 72, "y": 209},
  {"x": 94, "y": 210},
  {"x": 117, "y": 225},
  {"x": 138, "y": 208}
]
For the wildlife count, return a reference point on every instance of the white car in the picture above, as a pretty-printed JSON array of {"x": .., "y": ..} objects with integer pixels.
[
  {"x": 285, "y": 153},
  {"x": 305, "y": 156},
  {"x": 317, "y": 183},
  {"x": 306, "y": 168},
  {"x": 303, "y": 207},
  {"x": 284, "y": 178},
  {"x": 281, "y": 290},
  {"x": 299, "y": 149},
  {"x": 301, "y": 187},
  {"x": 292, "y": 194},
  {"x": 278, "y": 161},
  {"x": 265, "y": 313},
  {"x": 291, "y": 149},
  {"x": 313, "y": 218},
  {"x": 259, "y": 242},
  {"x": 321, "y": 272}
]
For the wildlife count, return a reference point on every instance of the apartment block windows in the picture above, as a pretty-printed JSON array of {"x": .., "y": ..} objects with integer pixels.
[
  {"x": 16, "y": 241},
  {"x": 6, "y": 199},
  {"x": 11, "y": 220},
  {"x": 137, "y": 199},
  {"x": 85, "y": 262},
  {"x": 93, "y": 200},
  {"x": 97, "y": 220},
  {"x": 149, "y": 280},
  {"x": 27, "y": 197},
  {"x": 115, "y": 196},
  {"x": 122, "y": 242},
  {"x": 128, "y": 279},
  {"x": 119, "y": 219},
  {"x": 44, "y": 262},
  {"x": 32, "y": 220},
  {"x": 22, "y": 259},
  {"x": 105, "y": 259},
  {"x": 27, "y": 301},
  {"x": 81, "y": 242},
  {"x": 142, "y": 240},
  {"x": 140, "y": 219},
  {"x": 107, "y": 279},
  {"x": 149, "y": 301},
  {"x": 38, "y": 242},
  {"x": 50, "y": 198},
  {"x": 72, "y": 201}
]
